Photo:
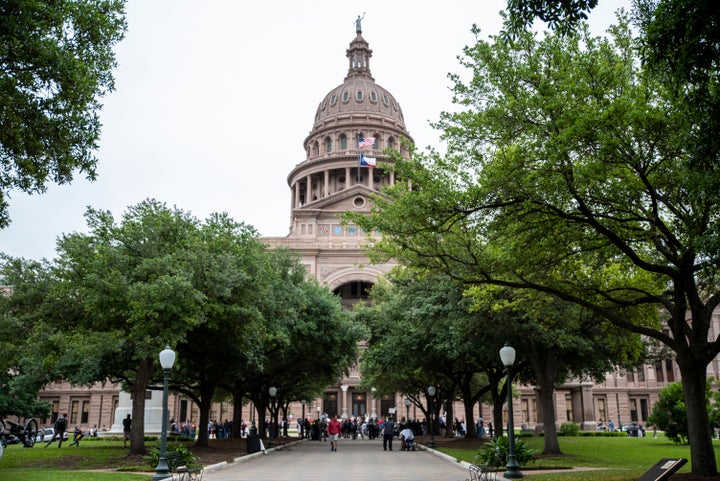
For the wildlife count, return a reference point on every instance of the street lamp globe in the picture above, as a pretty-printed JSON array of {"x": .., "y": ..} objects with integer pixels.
[
  {"x": 507, "y": 356},
  {"x": 167, "y": 358}
]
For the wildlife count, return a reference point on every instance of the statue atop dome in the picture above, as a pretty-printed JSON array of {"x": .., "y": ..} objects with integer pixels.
[{"x": 358, "y": 23}]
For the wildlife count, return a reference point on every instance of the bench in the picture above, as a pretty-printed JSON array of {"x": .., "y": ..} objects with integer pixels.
[
  {"x": 178, "y": 467},
  {"x": 481, "y": 472}
]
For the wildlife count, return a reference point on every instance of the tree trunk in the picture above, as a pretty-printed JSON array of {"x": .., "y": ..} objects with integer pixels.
[
  {"x": 545, "y": 366},
  {"x": 470, "y": 431},
  {"x": 142, "y": 379},
  {"x": 237, "y": 412},
  {"x": 547, "y": 398},
  {"x": 498, "y": 403},
  {"x": 205, "y": 402},
  {"x": 449, "y": 419},
  {"x": 694, "y": 383}
]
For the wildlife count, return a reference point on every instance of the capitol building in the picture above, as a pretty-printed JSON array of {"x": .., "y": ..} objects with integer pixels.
[{"x": 326, "y": 183}]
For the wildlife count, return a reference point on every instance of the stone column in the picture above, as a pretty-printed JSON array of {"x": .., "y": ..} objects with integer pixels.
[
  {"x": 344, "y": 388},
  {"x": 326, "y": 186},
  {"x": 308, "y": 189},
  {"x": 589, "y": 421}
]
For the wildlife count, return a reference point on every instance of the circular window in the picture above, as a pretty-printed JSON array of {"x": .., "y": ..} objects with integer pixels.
[
  {"x": 333, "y": 100},
  {"x": 324, "y": 104},
  {"x": 359, "y": 95},
  {"x": 346, "y": 97},
  {"x": 373, "y": 97},
  {"x": 359, "y": 202}
]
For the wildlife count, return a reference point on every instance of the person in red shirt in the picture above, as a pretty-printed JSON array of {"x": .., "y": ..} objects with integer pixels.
[{"x": 334, "y": 432}]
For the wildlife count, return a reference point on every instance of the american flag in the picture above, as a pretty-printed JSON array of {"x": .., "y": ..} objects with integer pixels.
[{"x": 366, "y": 142}]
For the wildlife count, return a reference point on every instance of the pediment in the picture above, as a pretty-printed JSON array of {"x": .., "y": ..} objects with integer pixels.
[{"x": 356, "y": 198}]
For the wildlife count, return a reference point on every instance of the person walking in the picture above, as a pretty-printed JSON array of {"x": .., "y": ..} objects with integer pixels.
[
  {"x": 127, "y": 428},
  {"x": 77, "y": 436},
  {"x": 334, "y": 432},
  {"x": 59, "y": 426},
  {"x": 388, "y": 434}
]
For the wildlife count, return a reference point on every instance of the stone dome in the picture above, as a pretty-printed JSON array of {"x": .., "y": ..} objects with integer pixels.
[
  {"x": 356, "y": 105},
  {"x": 359, "y": 95}
]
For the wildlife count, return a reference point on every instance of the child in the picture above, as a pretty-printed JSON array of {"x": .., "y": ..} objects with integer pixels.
[{"x": 77, "y": 436}]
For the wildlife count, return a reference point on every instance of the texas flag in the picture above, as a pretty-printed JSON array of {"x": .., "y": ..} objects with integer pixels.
[{"x": 368, "y": 161}]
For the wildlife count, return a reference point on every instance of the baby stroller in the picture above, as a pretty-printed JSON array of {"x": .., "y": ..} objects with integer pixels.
[{"x": 408, "y": 440}]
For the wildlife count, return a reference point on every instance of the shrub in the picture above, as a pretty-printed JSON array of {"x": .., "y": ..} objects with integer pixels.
[
  {"x": 569, "y": 429},
  {"x": 188, "y": 458},
  {"x": 495, "y": 452}
]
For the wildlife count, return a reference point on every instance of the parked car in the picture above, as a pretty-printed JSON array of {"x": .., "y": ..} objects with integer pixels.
[
  {"x": 46, "y": 434},
  {"x": 634, "y": 430}
]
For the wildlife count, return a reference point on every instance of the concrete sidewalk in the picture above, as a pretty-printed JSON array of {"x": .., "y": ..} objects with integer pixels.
[{"x": 355, "y": 460}]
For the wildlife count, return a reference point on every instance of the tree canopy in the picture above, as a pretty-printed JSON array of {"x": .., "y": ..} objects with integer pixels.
[
  {"x": 567, "y": 173},
  {"x": 56, "y": 62}
]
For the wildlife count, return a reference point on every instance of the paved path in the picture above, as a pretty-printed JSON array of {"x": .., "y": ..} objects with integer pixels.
[{"x": 355, "y": 460}]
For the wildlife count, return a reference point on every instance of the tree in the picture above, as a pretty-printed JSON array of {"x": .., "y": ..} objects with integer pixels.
[
  {"x": 56, "y": 61},
  {"x": 308, "y": 340},
  {"x": 227, "y": 267},
  {"x": 112, "y": 299},
  {"x": 669, "y": 414},
  {"x": 424, "y": 333},
  {"x": 21, "y": 373},
  {"x": 566, "y": 173}
]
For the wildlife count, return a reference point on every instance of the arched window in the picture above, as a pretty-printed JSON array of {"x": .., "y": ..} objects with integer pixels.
[
  {"x": 391, "y": 142},
  {"x": 328, "y": 145},
  {"x": 343, "y": 142}
]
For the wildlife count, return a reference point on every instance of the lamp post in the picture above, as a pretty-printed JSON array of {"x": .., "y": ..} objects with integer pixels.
[
  {"x": 407, "y": 411},
  {"x": 302, "y": 421},
  {"x": 167, "y": 359},
  {"x": 507, "y": 356},
  {"x": 273, "y": 392},
  {"x": 431, "y": 394}
]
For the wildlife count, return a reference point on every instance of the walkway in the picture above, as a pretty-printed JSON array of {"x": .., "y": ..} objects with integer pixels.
[{"x": 355, "y": 460}]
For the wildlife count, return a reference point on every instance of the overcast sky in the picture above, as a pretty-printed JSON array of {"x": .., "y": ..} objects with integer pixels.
[{"x": 214, "y": 98}]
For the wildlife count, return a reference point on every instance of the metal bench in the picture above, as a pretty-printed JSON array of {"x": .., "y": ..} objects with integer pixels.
[
  {"x": 178, "y": 467},
  {"x": 481, "y": 472}
]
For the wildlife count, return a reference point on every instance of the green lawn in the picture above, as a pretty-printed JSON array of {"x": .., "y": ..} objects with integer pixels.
[
  {"x": 70, "y": 463},
  {"x": 621, "y": 458}
]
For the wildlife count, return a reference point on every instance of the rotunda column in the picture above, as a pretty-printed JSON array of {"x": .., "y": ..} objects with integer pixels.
[
  {"x": 344, "y": 388},
  {"x": 308, "y": 189}
]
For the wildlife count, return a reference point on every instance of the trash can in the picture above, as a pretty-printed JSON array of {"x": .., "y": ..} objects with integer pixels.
[{"x": 253, "y": 444}]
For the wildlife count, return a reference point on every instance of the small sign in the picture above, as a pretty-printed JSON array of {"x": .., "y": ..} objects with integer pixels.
[{"x": 663, "y": 469}]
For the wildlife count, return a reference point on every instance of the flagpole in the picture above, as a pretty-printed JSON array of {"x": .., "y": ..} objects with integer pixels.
[{"x": 359, "y": 157}]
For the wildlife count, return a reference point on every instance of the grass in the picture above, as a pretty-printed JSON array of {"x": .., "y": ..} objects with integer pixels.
[
  {"x": 620, "y": 458},
  {"x": 71, "y": 463}
]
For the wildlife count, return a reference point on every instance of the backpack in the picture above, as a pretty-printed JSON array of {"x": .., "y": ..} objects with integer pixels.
[{"x": 60, "y": 424}]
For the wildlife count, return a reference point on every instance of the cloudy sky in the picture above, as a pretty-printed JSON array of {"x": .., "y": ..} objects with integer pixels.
[{"x": 214, "y": 98}]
